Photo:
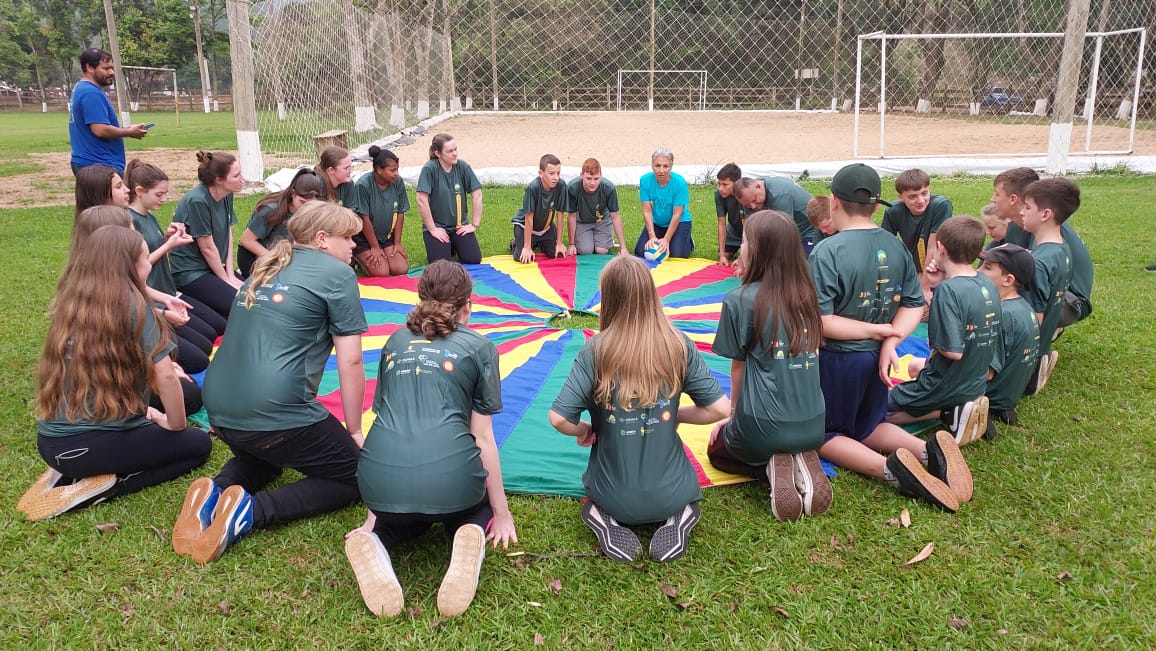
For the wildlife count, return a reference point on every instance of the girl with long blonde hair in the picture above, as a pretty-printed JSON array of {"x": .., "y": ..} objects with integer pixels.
[
  {"x": 770, "y": 329},
  {"x": 260, "y": 392},
  {"x": 105, "y": 351},
  {"x": 630, "y": 377},
  {"x": 430, "y": 456}
]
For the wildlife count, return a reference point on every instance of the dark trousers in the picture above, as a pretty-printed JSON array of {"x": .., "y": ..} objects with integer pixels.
[
  {"x": 205, "y": 319},
  {"x": 215, "y": 293},
  {"x": 394, "y": 528},
  {"x": 141, "y": 457},
  {"x": 464, "y": 246},
  {"x": 323, "y": 452},
  {"x": 191, "y": 353},
  {"x": 190, "y": 392},
  {"x": 722, "y": 458},
  {"x": 681, "y": 244},
  {"x": 546, "y": 242}
]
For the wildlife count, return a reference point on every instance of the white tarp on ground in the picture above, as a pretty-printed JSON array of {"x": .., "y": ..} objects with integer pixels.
[{"x": 703, "y": 174}]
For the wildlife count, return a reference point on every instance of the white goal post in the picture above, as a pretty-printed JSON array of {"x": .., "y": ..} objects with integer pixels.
[
  {"x": 696, "y": 81},
  {"x": 988, "y": 97}
]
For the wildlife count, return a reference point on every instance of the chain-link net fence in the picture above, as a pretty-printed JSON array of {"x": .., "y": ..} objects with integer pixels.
[{"x": 368, "y": 66}]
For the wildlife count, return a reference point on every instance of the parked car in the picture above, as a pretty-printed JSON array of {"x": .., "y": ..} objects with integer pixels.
[{"x": 998, "y": 99}]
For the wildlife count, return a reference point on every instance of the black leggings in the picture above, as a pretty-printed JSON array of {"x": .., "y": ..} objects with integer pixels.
[
  {"x": 465, "y": 246},
  {"x": 190, "y": 391},
  {"x": 141, "y": 457},
  {"x": 394, "y": 528},
  {"x": 207, "y": 321},
  {"x": 324, "y": 452},
  {"x": 215, "y": 293},
  {"x": 192, "y": 349}
]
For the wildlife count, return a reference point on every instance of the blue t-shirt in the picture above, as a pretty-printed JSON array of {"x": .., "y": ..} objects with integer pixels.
[
  {"x": 89, "y": 105},
  {"x": 664, "y": 200}
]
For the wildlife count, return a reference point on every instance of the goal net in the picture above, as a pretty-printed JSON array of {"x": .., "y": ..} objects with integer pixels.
[
  {"x": 662, "y": 90},
  {"x": 994, "y": 93}
]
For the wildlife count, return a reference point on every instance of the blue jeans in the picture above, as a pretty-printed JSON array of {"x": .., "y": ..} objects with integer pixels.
[{"x": 681, "y": 245}]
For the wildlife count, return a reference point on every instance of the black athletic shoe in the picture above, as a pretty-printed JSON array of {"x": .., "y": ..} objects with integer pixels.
[
  {"x": 945, "y": 462},
  {"x": 1007, "y": 416},
  {"x": 616, "y": 541},
  {"x": 991, "y": 433},
  {"x": 672, "y": 538},
  {"x": 915, "y": 481},
  {"x": 968, "y": 421}
]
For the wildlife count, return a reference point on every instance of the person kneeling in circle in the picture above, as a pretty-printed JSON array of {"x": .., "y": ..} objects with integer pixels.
[{"x": 423, "y": 465}]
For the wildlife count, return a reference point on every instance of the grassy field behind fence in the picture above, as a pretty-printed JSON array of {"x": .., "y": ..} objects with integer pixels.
[{"x": 1056, "y": 551}]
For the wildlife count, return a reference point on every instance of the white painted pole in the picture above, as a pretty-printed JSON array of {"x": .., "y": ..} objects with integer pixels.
[
  {"x": 882, "y": 90},
  {"x": 244, "y": 96},
  {"x": 114, "y": 46},
  {"x": 1136, "y": 90},
  {"x": 1090, "y": 100},
  {"x": 1068, "y": 80},
  {"x": 858, "y": 94}
]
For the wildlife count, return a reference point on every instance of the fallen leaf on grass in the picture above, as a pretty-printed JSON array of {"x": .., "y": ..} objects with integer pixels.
[
  {"x": 923, "y": 555},
  {"x": 160, "y": 534},
  {"x": 555, "y": 586},
  {"x": 1002, "y": 631},
  {"x": 1078, "y": 418},
  {"x": 905, "y": 519},
  {"x": 735, "y": 605},
  {"x": 682, "y": 606},
  {"x": 223, "y": 606},
  {"x": 668, "y": 590},
  {"x": 957, "y": 623},
  {"x": 535, "y": 604},
  {"x": 107, "y": 527},
  {"x": 780, "y": 611},
  {"x": 1063, "y": 576},
  {"x": 538, "y": 639},
  {"x": 127, "y": 609},
  {"x": 438, "y": 622}
]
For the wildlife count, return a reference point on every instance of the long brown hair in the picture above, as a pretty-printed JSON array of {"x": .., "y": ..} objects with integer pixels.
[
  {"x": 313, "y": 217},
  {"x": 638, "y": 356},
  {"x": 329, "y": 158},
  {"x": 305, "y": 184},
  {"x": 92, "y": 366},
  {"x": 444, "y": 287},
  {"x": 786, "y": 297},
  {"x": 93, "y": 187},
  {"x": 91, "y": 219}
]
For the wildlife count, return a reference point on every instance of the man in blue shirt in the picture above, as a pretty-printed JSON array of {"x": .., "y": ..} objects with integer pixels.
[{"x": 93, "y": 128}]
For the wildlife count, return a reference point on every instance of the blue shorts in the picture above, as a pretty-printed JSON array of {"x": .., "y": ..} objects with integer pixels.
[{"x": 855, "y": 396}]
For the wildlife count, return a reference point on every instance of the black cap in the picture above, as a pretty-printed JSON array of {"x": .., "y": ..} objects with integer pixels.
[
  {"x": 1015, "y": 260},
  {"x": 850, "y": 181}
]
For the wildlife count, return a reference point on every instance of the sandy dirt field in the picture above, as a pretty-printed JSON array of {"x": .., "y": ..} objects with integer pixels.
[{"x": 627, "y": 139}]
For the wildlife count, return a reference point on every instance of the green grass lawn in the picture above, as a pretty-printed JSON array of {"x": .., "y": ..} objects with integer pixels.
[{"x": 1056, "y": 551}]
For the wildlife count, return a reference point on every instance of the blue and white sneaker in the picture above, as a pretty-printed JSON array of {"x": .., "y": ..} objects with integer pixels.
[
  {"x": 232, "y": 518},
  {"x": 196, "y": 514}
]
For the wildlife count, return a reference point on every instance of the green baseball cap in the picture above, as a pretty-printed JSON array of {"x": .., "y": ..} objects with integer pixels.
[{"x": 852, "y": 180}]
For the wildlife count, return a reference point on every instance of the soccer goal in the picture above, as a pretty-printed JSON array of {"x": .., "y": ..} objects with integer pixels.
[
  {"x": 990, "y": 94},
  {"x": 666, "y": 90}
]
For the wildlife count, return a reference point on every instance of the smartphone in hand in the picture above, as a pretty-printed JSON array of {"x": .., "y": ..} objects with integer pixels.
[{"x": 149, "y": 125}]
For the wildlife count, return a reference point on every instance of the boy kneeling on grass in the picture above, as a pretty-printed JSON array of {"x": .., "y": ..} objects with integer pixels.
[
  {"x": 961, "y": 332},
  {"x": 870, "y": 300},
  {"x": 1011, "y": 268},
  {"x": 543, "y": 200}
]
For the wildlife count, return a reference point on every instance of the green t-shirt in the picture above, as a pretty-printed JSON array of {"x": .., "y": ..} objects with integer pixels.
[
  {"x": 638, "y": 471},
  {"x": 915, "y": 230},
  {"x": 780, "y": 406},
  {"x": 965, "y": 318},
  {"x": 449, "y": 192},
  {"x": 382, "y": 206},
  {"x": 786, "y": 196},
  {"x": 161, "y": 276},
  {"x": 542, "y": 206},
  {"x": 202, "y": 217},
  {"x": 266, "y": 235},
  {"x": 60, "y": 426},
  {"x": 591, "y": 207},
  {"x": 732, "y": 210},
  {"x": 1053, "y": 275},
  {"x": 419, "y": 455},
  {"x": 1016, "y": 351},
  {"x": 866, "y": 275},
  {"x": 1082, "y": 270},
  {"x": 265, "y": 375}
]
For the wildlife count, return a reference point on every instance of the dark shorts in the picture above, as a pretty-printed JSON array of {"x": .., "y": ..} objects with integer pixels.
[
  {"x": 546, "y": 242},
  {"x": 856, "y": 398},
  {"x": 394, "y": 528}
]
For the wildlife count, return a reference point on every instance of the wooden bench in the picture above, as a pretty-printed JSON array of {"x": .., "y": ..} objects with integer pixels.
[{"x": 334, "y": 138}]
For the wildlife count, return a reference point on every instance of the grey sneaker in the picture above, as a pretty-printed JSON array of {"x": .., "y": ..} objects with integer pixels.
[
  {"x": 672, "y": 538},
  {"x": 616, "y": 541}
]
